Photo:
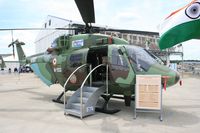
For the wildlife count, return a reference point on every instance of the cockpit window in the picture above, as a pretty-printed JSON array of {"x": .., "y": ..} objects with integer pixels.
[
  {"x": 54, "y": 44},
  {"x": 159, "y": 60},
  {"x": 118, "y": 61},
  {"x": 140, "y": 57}
]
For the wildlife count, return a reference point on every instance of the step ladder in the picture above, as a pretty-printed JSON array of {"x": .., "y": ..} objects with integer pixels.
[
  {"x": 82, "y": 103},
  {"x": 90, "y": 96}
]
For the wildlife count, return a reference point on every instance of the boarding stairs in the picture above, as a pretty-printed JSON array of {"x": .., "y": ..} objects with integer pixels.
[
  {"x": 90, "y": 96},
  {"x": 82, "y": 103}
]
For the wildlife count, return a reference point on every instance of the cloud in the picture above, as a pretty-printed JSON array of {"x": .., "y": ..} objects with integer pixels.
[
  {"x": 28, "y": 13},
  {"x": 60, "y": 8},
  {"x": 5, "y": 40},
  {"x": 191, "y": 49}
]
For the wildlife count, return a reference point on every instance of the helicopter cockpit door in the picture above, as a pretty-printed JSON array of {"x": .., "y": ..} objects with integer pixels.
[{"x": 121, "y": 69}]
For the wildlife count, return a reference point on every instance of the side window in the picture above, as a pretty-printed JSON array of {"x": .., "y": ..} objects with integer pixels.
[
  {"x": 76, "y": 60},
  {"x": 54, "y": 44},
  {"x": 137, "y": 60},
  {"x": 118, "y": 61}
]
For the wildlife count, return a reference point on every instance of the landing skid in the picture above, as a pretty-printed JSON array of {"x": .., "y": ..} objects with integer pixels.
[
  {"x": 105, "y": 109},
  {"x": 58, "y": 99}
]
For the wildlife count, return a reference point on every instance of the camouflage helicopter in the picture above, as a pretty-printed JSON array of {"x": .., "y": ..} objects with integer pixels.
[{"x": 112, "y": 59}]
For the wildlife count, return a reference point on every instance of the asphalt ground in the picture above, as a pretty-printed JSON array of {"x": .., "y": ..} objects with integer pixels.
[{"x": 26, "y": 107}]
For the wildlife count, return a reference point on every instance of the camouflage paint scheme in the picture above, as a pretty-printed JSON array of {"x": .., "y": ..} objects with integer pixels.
[{"x": 69, "y": 52}]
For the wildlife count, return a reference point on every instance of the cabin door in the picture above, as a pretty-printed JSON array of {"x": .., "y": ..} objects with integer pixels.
[{"x": 95, "y": 57}]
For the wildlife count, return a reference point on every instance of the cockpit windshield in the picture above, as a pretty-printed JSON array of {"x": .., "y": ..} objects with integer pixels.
[
  {"x": 140, "y": 57},
  {"x": 159, "y": 60}
]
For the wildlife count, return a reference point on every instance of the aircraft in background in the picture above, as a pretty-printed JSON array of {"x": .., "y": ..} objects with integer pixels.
[{"x": 2, "y": 62}]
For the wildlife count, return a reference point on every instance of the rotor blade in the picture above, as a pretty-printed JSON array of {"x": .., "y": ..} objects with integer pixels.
[
  {"x": 11, "y": 44},
  {"x": 86, "y": 9},
  {"x": 5, "y": 55},
  {"x": 13, "y": 51},
  {"x": 12, "y": 35},
  {"x": 131, "y": 31},
  {"x": 12, "y": 29}
]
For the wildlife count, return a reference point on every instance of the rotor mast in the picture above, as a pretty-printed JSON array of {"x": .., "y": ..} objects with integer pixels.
[{"x": 86, "y": 9}]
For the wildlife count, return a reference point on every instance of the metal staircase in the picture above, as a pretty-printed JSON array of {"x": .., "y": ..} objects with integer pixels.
[
  {"x": 82, "y": 103},
  {"x": 90, "y": 96}
]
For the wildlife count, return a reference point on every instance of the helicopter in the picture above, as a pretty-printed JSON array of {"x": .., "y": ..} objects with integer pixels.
[
  {"x": 110, "y": 58},
  {"x": 2, "y": 62}
]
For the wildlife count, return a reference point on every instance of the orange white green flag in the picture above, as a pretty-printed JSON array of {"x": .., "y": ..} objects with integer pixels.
[{"x": 181, "y": 25}]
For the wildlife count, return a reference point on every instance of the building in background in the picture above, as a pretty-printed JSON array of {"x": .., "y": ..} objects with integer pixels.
[
  {"x": 145, "y": 39},
  {"x": 12, "y": 65},
  {"x": 10, "y": 62},
  {"x": 46, "y": 37}
]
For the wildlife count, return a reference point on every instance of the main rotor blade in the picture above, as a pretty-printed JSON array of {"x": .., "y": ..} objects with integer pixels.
[
  {"x": 5, "y": 55},
  {"x": 11, "y": 29},
  {"x": 86, "y": 9},
  {"x": 131, "y": 31}
]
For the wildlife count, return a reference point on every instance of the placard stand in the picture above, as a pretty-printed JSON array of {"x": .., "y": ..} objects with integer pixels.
[{"x": 148, "y": 94}]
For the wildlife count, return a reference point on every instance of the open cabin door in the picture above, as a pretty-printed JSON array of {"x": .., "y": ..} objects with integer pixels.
[
  {"x": 95, "y": 57},
  {"x": 121, "y": 69}
]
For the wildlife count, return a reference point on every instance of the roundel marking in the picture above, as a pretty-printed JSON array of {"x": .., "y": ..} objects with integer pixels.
[
  {"x": 73, "y": 79},
  {"x": 54, "y": 62}
]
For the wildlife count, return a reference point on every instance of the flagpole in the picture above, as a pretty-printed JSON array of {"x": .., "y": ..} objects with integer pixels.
[{"x": 182, "y": 62}]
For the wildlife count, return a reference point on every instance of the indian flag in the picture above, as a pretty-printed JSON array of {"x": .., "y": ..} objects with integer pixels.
[{"x": 181, "y": 25}]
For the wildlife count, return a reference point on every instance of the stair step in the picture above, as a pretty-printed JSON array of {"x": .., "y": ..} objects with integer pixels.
[
  {"x": 90, "y": 97},
  {"x": 89, "y": 89},
  {"x": 76, "y": 106},
  {"x": 85, "y": 94},
  {"x": 85, "y": 99},
  {"x": 73, "y": 112}
]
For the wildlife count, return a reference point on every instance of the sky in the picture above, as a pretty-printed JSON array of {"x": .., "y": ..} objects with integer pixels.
[{"x": 124, "y": 14}]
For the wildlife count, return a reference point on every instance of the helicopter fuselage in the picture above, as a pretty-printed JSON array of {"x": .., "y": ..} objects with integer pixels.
[{"x": 125, "y": 62}]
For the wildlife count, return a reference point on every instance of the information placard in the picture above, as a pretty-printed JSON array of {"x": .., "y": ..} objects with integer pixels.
[{"x": 148, "y": 92}]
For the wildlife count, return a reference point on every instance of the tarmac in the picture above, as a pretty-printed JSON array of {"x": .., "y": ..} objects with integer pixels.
[{"x": 26, "y": 107}]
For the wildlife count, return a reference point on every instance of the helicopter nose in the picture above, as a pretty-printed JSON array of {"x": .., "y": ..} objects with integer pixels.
[{"x": 177, "y": 77}]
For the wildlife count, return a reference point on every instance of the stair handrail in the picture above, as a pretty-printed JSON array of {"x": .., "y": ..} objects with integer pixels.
[
  {"x": 81, "y": 88},
  {"x": 69, "y": 79}
]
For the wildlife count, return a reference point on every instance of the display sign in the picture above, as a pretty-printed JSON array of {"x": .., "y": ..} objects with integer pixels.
[{"x": 148, "y": 92}]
